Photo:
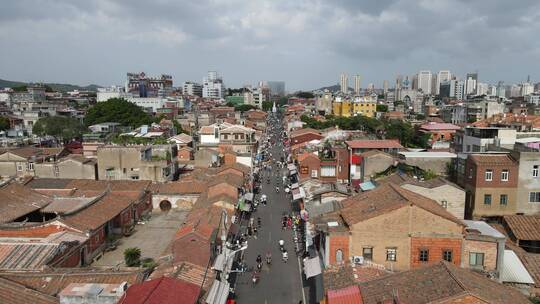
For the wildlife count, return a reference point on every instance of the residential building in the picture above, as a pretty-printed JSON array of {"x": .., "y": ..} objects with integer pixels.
[
  {"x": 442, "y": 77},
  {"x": 526, "y": 153},
  {"x": 439, "y": 283},
  {"x": 213, "y": 86},
  {"x": 104, "y": 94},
  {"x": 138, "y": 84},
  {"x": 240, "y": 138},
  {"x": 192, "y": 89},
  {"x": 424, "y": 81},
  {"x": 365, "y": 105},
  {"x": 477, "y": 139},
  {"x": 329, "y": 166},
  {"x": 490, "y": 182},
  {"x": 156, "y": 163},
  {"x": 372, "y": 162},
  {"x": 299, "y": 138},
  {"x": 344, "y": 83},
  {"x": 524, "y": 231},
  {"x": 162, "y": 290},
  {"x": 357, "y": 88},
  {"x": 482, "y": 89},
  {"x": 324, "y": 102},
  {"x": 439, "y": 131},
  {"x": 392, "y": 228},
  {"x": 277, "y": 88}
]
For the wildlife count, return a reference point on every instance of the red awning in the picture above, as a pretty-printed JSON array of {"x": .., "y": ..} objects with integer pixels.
[{"x": 356, "y": 159}]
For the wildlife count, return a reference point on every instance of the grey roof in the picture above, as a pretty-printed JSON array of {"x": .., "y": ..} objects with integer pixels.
[
  {"x": 320, "y": 209},
  {"x": 484, "y": 228}
]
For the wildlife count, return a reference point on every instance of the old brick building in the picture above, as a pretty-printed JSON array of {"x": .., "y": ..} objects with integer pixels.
[{"x": 490, "y": 181}]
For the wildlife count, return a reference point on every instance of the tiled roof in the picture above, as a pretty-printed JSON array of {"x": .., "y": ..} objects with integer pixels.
[
  {"x": 51, "y": 282},
  {"x": 337, "y": 277},
  {"x": 163, "y": 290},
  {"x": 435, "y": 126},
  {"x": 508, "y": 119},
  {"x": 79, "y": 158},
  {"x": 303, "y": 131},
  {"x": 183, "y": 138},
  {"x": 100, "y": 212},
  {"x": 374, "y": 144},
  {"x": 27, "y": 152},
  {"x": 208, "y": 130},
  {"x": 493, "y": 159},
  {"x": 437, "y": 283},
  {"x": 88, "y": 184},
  {"x": 65, "y": 205},
  {"x": 41, "y": 231},
  {"x": 180, "y": 187},
  {"x": 386, "y": 198},
  {"x": 531, "y": 261},
  {"x": 17, "y": 200},
  {"x": 375, "y": 152},
  {"x": 348, "y": 295},
  {"x": 185, "y": 271},
  {"x": 524, "y": 227},
  {"x": 20, "y": 256},
  {"x": 306, "y": 155},
  {"x": 14, "y": 293}
]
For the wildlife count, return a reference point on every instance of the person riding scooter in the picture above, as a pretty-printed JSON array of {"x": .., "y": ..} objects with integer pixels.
[{"x": 268, "y": 258}]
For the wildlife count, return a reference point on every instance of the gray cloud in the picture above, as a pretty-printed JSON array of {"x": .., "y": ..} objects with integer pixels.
[{"x": 306, "y": 42}]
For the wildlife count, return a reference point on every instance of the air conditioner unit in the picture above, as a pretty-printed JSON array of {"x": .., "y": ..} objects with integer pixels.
[{"x": 358, "y": 259}]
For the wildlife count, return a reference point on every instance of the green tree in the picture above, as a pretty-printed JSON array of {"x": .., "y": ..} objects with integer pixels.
[
  {"x": 132, "y": 257},
  {"x": 244, "y": 107},
  {"x": 117, "y": 110},
  {"x": 178, "y": 127},
  {"x": 304, "y": 95},
  {"x": 382, "y": 108},
  {"x": 63, "y": 129},
  {"x": 267, "y": 105},
  {"x": 4, "y": 123}
]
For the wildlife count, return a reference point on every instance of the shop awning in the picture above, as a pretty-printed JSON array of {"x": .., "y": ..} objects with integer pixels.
[
  {"x": 366, "y": 186},
  {"x": 219, "y": 262},
  {"x": 218, "y": 294},
  {"x": 248, "y": 196},
  {"x": 298, "y": 193},
  {"x": 312, "y": 267}
]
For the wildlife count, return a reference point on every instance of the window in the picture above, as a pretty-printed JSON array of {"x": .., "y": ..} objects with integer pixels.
[
  {"x": 504, "y": 175},
  {"x": 489, "y": 175},
  {"x": 447, "y": 255},
  {"x": 476, "y": 259},
  {"x": 124, "y": 170},
  {"x": 470, "y": 173},
  {"x": 424, "y": 255},
  {"x": 487, "y": 199},
  {"x": 328, "y": 171},
  {"x": 534, "y": 197},
  {"x": 313, "y": 173},
  {"x": 444, "y": 204},
  {"x": 535, "y": 171},
  {"x": 339, "y": 256},
  {"x": 30, "y": 166},
  {"x": 504, "y": 199},
  {"x": 19, "y": 167},
  {"x": 367, "y": 253},
  {"x": 391, "y": 254},
  {"x": 135, "y": 177}
]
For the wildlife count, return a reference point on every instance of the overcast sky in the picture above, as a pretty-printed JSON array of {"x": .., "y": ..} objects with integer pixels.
[{"x": 303, "y": 42}]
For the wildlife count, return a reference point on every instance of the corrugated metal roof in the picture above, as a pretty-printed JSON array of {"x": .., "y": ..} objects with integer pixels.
[
  {"x": 513, "y": 271},
  {"x": 484, "y": 228}
]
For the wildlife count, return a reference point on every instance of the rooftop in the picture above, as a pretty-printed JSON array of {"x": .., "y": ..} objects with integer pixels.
[
  {"x": 437, "y": 283},
  {"x": 435, "y": 126},
  {"x": 163, "y": 290},
  {"x": 428, "y": 154},
  {"x": 387, "y": 198},
  {"x": 17, "y": 201},
  {"x": 524, "y": 227},
  {"x": 493, "y": 159},
  {"x": 374, "y": 144}
]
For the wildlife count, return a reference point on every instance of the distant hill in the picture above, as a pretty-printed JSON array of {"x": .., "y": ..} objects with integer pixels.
[
  {"x": 333, "y": 88},
  {"x": 61, "y": 87}
]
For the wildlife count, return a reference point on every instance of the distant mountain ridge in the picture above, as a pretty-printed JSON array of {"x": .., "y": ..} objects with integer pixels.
[{"x": 61, "y": 87}]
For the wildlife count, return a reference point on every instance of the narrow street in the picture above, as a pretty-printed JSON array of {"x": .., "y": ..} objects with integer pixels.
[{"x": 279, "y": 282}]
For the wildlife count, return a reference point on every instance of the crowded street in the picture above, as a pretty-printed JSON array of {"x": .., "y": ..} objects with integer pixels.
[{"x": 280, "y": 278}]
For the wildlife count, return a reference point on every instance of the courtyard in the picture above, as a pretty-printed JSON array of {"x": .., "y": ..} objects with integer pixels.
[{"x": 152, "y": 238}]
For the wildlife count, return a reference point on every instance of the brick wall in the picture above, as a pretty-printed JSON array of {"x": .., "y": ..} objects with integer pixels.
[
  {"x": 489, "y": 249},
  {"x": 339, "y": 242},
  {"x": 96, "y": 240},
  {"x": 72, "y": 260},
  {"x": 307, "y": 165},
  {"x": 436, "y": 247}
]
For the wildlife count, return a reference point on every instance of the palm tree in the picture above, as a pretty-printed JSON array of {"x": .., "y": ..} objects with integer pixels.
[{"x": 132, "y": 256}]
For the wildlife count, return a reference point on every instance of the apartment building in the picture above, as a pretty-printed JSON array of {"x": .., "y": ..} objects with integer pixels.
[{"x": 156, "y": 163}]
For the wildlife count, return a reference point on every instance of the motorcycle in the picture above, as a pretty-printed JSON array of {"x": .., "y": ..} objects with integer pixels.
[
  {"x": 259, "y": 266},
  {"x": 268, "y": 260},
  {"x": 255, "y": 278}
]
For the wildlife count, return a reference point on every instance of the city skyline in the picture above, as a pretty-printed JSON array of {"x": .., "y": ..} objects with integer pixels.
[{"x": 307, "y": 44}]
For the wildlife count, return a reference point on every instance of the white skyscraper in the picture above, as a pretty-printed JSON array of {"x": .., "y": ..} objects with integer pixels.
[
  {"x": 470, "y": 84},
  {"x": 424, "y": 81},
  {"x": 213, "y": 86},
  {"x": 357, "y": 79},
  {"x": 482, "y": 88},
  {"x": 385, "y": 86},
  {"x": 527, "y": 88},
  {"x": 344, "y": 83},
  {"x": 442, "y": 76}
]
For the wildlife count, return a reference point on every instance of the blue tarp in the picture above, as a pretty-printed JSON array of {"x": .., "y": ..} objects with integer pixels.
[{"x": 366, "y": 186}]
